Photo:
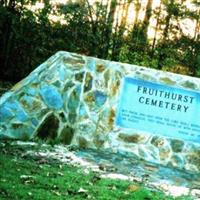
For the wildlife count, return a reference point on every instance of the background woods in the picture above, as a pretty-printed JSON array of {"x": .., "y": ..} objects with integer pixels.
[{"x": 160, "y": 34}]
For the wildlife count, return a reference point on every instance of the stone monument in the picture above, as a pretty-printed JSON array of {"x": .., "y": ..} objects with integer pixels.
[{"x": 95, "y": 103}]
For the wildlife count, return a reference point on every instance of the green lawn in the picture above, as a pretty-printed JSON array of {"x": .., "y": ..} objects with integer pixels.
[{"x": 25, "y": 177}]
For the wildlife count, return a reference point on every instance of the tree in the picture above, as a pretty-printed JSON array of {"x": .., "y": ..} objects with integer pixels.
[
  {"x": 147, "y": 17},
  {"x": 157, "y": 13},
  {"x": 137, "y": 10}
]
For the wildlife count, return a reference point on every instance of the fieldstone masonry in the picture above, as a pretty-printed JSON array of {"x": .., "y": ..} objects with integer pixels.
[{"x": 73, "y": 99}]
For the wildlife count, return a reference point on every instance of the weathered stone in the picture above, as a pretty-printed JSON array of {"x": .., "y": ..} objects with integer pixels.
[
  {"x": 177, "y": 161},
  {"x": 62, "y": 117},
  {"x": 134, "y": 138},
  {"x": 34, "y": 121},
  {"x": 79, "y": 76},
  {"x": 83, "y": 94},
  {"x": 51, "y": 97},
  {"x": 88, "y": 126},
  {"x": 48, "y": 129},
  {"x": 75, "y": 61},
  {"x": 82, "y": 142},
  {"x": 5, "y": 113},
  {"x": 84, "y": 133},
  {"x": 16, "y": 125},
  {"x": 106, "y": 77},
  {"x": 100, "y": 67},
  {"x": 111, "y": 118},
  {"x": 13, "y": 107},
  {"x": 88, "y": 82},
  {"x": 68, "y": 86},
  {"x": 148, "y": 152},
  {"x": 115, "y": 83},
  {"x": 194, "y": 158},
  {"x": 177, "y": 145},
  {"x": 31, "y": 104},
  {"x": 82, "y": 114},
  {"x": 91, "y": 64},
  {"x": 21, "y": 130},
  {"x": 95, "y": 100},
  {"x": 189, "y": 84},
  {"x": 99, "y": 85},
  {"x": 32, "y": 89},
  {"x": 63, "y": 74},
  {"x": 158, "y": 141},
  {"x": 66, "y": 135},
  {"x": 40, "y": 115},
  {"x": 163, "y": 147},
  {"x": 115, "y": 88},
  {"x": 50, "y": 77},
  {"x": 144, "y": 76},
  {"x": 57, "y": 84},
  {"x": 100, "y": 98},
  {"x": 99, "y": 140},
  {"x": 74, "y": 99},
  {"x": 72, "y": 117},
  {"x": 167, "y": 81},
  {"x": 165, "y": 153},
  {"x": 3, "y": 128}
]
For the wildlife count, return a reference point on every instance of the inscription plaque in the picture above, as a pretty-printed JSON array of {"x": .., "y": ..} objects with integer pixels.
[{"x": 159, "y": 109}]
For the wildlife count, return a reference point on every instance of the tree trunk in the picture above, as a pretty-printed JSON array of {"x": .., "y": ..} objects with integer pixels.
[
  {"x": 167, "y": 20},
  {"x": 137, "y": 10},
  {"x": 108, "y": 31},
  {"x": 156, "y": 28},
  {"x": 165, "y": 33},
  {"x": 125, "y": 13},
  {"x": 197, "y": 29},
  {"x": 119, "y": 31},
  {"x": 147, "y": 17}
]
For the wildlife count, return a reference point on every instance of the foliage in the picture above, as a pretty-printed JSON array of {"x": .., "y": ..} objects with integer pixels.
[{"x": 28, "y": 38}]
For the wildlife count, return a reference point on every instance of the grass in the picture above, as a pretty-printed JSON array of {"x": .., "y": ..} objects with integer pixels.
[{"x": 24, "y": 177}]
